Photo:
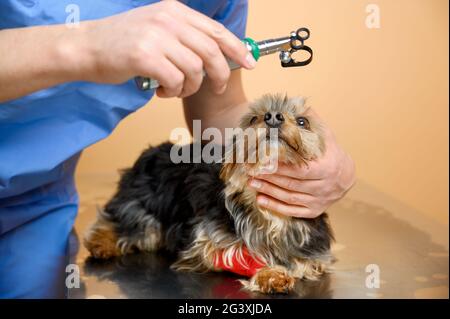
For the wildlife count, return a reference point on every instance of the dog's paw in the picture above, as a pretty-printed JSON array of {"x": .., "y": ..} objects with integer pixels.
[
  {"x": 271, "y": 281},
  {"x": 102, "y": 244},
  {"x": 103, "y": 250}
]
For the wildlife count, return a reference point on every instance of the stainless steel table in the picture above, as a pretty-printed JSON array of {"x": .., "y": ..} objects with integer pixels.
[{"x": 373, "y": 231}]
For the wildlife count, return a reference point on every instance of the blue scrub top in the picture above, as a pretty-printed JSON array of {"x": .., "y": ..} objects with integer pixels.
[{"x": 42, "y": 136}]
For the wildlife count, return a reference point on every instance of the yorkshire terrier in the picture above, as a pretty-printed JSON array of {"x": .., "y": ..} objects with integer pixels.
[{"x": 207, "y": 216}]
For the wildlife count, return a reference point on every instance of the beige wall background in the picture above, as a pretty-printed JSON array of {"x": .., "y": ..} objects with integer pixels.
[{"x": 383, "y": 91}]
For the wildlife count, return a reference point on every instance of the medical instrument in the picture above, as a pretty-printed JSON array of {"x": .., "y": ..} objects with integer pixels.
[{"x": 286, "y": 46}]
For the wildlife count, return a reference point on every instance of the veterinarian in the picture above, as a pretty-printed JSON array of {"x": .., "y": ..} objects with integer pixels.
[{"x": 66, "y": 86}]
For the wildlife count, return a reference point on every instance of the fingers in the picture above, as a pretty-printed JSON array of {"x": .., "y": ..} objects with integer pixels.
[
  {"x": 313, "y": 170},
  {"x": 285, "y": 209},
  {"x": 189, "y": 64},
  {"x": 285, "y": 182},
  {"x": 171, "y": 79},
  {"x": 230, "y": 45},
  {"x": 281, "y": 194},
  {"x": 290, "y": 203},
  {"x": 213, "y": 59},
  {"x": 192, "y": 42},
  {"x": 314, "y": 188}
]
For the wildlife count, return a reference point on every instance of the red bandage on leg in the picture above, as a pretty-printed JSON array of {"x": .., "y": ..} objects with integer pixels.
[{"x": 245, "y": 266}]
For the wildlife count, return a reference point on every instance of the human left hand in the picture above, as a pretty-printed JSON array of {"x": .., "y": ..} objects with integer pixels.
[{"x": 307, "y": 191}]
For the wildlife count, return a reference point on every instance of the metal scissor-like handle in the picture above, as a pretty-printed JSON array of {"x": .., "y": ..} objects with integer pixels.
[{"x": 301, "y": 35}]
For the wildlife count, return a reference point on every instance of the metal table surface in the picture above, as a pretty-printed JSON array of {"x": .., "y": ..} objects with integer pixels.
[{"x": 409, "y": 249}]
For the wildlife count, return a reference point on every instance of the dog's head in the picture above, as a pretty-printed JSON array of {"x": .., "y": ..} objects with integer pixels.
[
  {"x": 296, "y": 135},
  {"x": 277, "y": 129}
]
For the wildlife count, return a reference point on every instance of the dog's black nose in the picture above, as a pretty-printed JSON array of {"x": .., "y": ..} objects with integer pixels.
[{"x": 273, "y": 119}]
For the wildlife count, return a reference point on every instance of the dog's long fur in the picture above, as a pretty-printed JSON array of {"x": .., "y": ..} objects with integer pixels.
[{"x": 199, "y": 210}]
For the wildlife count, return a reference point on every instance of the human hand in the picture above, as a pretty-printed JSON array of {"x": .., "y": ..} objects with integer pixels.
[
  {"x": 166, "y": 41},
  {"x": 307, "y": 191}
]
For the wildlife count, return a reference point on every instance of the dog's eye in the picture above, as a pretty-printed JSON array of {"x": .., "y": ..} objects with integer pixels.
[
  {"x": 253, "y": 120},
  {"x": 303, "y": 122}
]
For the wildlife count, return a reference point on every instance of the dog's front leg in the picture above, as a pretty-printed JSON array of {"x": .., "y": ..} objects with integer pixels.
[{"x": 270, "y": 280}]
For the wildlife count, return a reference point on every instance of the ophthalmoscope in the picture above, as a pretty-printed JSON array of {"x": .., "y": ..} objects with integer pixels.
[{"x": 286, "y": 46}]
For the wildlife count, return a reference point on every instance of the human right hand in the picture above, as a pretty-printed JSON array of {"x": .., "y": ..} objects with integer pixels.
[{"x": 166, "y": 41}]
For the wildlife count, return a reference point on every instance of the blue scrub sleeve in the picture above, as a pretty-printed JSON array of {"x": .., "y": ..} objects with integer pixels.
[
  {"x": 41, "y": 138},
  {"x": 233, "y": 15}
]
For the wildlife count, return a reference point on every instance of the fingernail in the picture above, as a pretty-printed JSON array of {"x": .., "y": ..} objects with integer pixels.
[
  {"x": 255, "y": 183},
  {"x": 222, "y": 89},
  {"x": 251, "y": 61},
  {"x": 266, "y": 169},
  {"x": 262, "y": 201}
]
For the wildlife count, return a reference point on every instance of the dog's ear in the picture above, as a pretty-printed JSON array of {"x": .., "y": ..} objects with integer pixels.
[{"x": 297, "y": 103}]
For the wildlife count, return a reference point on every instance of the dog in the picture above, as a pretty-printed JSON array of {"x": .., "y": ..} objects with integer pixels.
[{"x": 207, "y": 216}]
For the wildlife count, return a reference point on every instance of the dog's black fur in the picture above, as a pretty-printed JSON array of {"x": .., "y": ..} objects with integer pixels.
[
  {"x": 181, "y": 195},
  {"x": 177, "y": 195}
]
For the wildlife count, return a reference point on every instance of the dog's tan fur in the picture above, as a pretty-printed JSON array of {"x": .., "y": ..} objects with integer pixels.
[{"x": 101, "y": 239}]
